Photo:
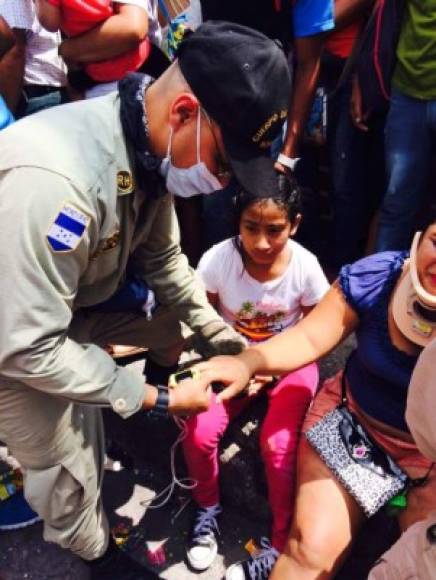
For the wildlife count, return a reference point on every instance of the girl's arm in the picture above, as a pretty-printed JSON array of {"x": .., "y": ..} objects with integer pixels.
[
  {"x": 330, "y": 322},
  {"x": 118, "y": 34},
  {"x": 48, "y": 15}
]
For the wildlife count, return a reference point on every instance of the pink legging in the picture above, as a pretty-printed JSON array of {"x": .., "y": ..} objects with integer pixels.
[{"x": 288, "y": 403}]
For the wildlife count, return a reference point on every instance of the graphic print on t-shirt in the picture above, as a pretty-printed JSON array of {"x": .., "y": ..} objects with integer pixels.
[
  {"x": 259, "y": 320},
  {"x": 259, "y": 310}
]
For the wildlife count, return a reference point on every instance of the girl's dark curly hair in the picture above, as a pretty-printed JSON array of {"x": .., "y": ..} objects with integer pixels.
[{"x": 287, "y": 196}]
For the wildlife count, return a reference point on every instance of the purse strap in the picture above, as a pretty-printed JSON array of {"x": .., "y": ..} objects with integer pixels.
[{"x": 344, "y": 385}]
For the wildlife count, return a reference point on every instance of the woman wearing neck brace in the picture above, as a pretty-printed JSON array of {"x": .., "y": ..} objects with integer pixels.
[{"x": 389, "y": 301}]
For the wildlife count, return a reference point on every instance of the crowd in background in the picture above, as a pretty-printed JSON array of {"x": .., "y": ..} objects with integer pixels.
[{"x": 376, "y": 182}]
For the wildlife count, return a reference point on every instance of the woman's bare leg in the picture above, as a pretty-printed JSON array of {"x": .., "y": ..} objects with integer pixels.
[{"x": 326, "y": 521}]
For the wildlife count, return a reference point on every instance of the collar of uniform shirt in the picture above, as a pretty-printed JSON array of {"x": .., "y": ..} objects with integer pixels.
[{"x": 135, "y": 127}]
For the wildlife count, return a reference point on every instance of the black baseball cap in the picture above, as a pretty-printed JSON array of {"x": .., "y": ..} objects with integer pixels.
[{"x": 242, "y": 80}]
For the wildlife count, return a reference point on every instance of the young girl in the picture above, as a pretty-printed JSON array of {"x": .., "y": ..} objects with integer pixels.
[{"x": 261, "y": 282}]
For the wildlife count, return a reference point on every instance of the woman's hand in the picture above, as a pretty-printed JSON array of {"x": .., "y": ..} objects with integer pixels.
[{"x": 233, "y": 371}]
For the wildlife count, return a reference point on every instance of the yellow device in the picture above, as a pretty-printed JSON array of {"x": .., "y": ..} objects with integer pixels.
[{"x": 180, "y": 376}]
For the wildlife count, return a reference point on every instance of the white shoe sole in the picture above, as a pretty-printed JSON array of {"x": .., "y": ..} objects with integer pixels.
[{"x": 200, "y": 566}]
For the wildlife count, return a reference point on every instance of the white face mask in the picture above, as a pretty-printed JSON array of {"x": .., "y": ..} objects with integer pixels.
[{"x": 192, "y": 180}]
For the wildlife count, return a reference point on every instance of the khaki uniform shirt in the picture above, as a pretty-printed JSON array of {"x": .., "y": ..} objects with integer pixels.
[
  {"x": 412, "y": 557},
  {"x": 421, "y": 402},
  {"x": 70, "y": 221}
]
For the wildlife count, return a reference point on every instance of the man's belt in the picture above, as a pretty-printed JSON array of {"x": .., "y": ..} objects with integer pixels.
[{"x": 33, "y": 91}]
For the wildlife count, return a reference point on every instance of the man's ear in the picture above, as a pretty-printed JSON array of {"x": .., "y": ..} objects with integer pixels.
[
  {"x": 183, "y": 110},
  {"x": 295, "y": 224}
]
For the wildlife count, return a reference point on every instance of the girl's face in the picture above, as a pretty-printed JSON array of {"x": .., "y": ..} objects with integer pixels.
[
  {"x": 426, "y": 259},
  {"x": 264, "y": 230}
]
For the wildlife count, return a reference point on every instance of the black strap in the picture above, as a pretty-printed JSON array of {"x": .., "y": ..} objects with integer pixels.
[
  {"x": 34, "y": 91},
  {"x": 344, "y": 385}
]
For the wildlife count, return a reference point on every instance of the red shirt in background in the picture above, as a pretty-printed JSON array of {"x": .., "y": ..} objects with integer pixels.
[
  {"x": 340, "y": 43},
  {"x": 79, "y": 16}
]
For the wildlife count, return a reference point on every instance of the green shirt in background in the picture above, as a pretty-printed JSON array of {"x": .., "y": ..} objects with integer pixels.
[{"x": 415, "y": 73}]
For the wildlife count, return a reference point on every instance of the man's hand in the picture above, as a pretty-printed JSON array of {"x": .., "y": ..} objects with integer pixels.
[
  {"x": 68, "y": 59},
  {"x": 190, "y": 397},
  {"x": 217, "y": 338},
  {"x": 234, "y": 372}
]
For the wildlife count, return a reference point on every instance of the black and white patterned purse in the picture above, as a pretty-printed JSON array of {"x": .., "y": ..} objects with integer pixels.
[{"x": 369, "y": 474}]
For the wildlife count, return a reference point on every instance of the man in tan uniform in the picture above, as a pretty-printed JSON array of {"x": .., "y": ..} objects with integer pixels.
[
  {"x": 84, "y": 203},
  {"x": 414, "y": 555}
]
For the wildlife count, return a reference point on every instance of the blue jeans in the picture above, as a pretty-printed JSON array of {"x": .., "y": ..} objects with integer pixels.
[
  {"x": 410, "y": 135},
  {"x": 28, "y": 106}
]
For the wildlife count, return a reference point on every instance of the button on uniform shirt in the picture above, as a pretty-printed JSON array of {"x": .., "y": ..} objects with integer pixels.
[{"x": 43, "y": 64}]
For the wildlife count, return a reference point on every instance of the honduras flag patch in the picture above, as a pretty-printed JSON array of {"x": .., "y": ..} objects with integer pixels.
[{"x": 67, "y": 229}]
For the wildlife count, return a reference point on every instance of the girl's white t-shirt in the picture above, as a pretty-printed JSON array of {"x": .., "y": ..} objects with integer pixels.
[{"x": 259, "y": 310}]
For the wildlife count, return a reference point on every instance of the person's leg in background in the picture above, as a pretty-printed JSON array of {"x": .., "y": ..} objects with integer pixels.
[
  {"x": 357, "y": 169},
  {"x": 376, "y": 177},
  {"x": 347, "y": 149},
  {"x": 408, "y": 145},
  {"x": 218, "y": 219}
]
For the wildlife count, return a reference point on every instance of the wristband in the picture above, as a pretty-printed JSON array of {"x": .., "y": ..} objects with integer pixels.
[
  {"x": 160, "y": 408},
  {"x": 289, "y": 162}
]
